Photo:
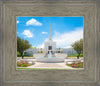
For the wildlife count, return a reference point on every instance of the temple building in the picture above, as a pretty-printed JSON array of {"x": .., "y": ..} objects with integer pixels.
[{"x": 50, "y": 45}]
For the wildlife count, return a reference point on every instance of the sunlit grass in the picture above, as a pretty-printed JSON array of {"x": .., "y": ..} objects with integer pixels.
[
  {"x": 75, "y": 55},
  {"x": 18, "y": 68}
]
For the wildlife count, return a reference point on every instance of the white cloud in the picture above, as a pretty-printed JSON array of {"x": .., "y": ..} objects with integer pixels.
[
  {"x": 66, "y": 39},
  {"x": 17, "y": 22},
  {"x": 27, "y": 33},
  {"x": 44, "y": 32},
  {"x": 33, "y": 22},
  {"x": 40, "y": 46}
]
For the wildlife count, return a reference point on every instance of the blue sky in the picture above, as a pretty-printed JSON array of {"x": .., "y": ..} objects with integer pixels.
[{"x": 64, "y": 30}]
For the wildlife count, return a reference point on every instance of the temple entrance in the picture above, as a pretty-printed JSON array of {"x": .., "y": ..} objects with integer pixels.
[{"x": 49, "y": 47}]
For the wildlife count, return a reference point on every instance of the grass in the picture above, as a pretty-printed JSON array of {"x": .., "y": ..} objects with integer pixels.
[
  {"x": 28, "y": 56},
  {"x": 75, "y": 55},
  {"x": 48, "y": 69},
  {"x": 69, "y": 65},
  {"x": 24, "y": 56}
]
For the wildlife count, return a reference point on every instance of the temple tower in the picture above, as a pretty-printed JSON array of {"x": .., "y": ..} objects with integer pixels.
[
  {"x": 50, "y": 45},
  {"x": 50, "y": 38}
]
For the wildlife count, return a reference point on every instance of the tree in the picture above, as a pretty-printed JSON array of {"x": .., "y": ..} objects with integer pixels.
[
  {"x": 22, "y": 45},
  {"x": 78, "y": 47},
  {"x": 41, "y": 51},
  {"x": 33, "y": 47},
  {"x": 59, "y": 50}
]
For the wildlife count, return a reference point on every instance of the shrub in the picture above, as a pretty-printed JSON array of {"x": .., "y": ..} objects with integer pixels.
[
  {"x": 41, "y": 51},
  {"x": 58, "y": 51},
  {"x": 18, "y": 54},
  {"x": 25, "y": 53}
]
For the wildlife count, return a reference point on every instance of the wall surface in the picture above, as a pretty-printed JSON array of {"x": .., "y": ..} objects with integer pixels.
[{"x": 47, "y": 76}]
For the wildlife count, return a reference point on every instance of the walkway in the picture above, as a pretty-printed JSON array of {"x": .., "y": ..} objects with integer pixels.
[{"x": 49, "y": 65}]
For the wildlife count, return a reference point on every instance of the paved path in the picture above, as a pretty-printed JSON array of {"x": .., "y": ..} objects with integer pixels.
[{"x": 49, "y": 65}]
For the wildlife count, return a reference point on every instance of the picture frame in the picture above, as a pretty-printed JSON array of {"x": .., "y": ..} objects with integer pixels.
[{"x": 88, "y": 9}]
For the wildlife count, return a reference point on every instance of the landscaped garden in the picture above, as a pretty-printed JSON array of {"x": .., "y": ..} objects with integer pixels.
[
  {"x": 76, "y": 65},
  {"x": 23, "y": 64}
]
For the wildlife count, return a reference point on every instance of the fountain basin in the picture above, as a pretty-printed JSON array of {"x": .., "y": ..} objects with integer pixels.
[
  {"x": 52, "y": 59},
  {"x": 40, "y": 57}
]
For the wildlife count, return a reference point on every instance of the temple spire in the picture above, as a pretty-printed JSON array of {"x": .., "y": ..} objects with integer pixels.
[{"x": 50, "y": 38}]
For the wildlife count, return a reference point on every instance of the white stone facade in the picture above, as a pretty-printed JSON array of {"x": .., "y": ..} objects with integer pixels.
[{"x": 49, "y": 43}]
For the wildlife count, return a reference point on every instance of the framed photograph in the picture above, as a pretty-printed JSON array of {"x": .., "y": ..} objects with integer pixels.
[{"x": 50, "y": 43}]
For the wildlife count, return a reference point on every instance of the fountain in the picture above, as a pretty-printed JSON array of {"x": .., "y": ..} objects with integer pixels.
[
  {"x": 40, "y": 57},
  {"x": 50, "y": 54}
]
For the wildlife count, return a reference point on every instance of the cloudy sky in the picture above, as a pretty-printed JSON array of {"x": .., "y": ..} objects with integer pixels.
[{"x": 64, "y": 30}]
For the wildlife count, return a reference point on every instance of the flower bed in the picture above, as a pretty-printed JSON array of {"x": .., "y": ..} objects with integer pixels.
[
  {"x": 76, "y": 65},
  {"x": 23, "y": 64}
]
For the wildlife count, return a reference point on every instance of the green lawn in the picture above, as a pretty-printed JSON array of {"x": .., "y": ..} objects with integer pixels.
[
  {"x": 28, "y": 56},
  {"x": 75, "y": 55},
  {"x": 25, "y": 56},
  {"x": 18, "y": 68}
]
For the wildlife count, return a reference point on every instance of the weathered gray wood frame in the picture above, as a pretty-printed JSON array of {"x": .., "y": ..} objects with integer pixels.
[{"x": 88, "y": 76}]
